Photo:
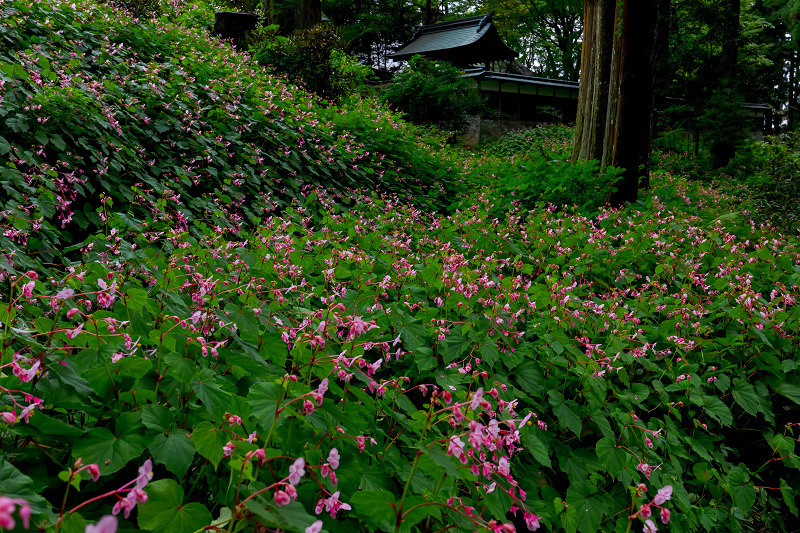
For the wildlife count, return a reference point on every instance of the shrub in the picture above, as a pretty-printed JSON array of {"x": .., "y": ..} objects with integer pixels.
[
  {"x": 315, "y": 59},
  {"x": 772, "y": 171},
  {"x": 548, "y": 141},
  {"x": 433, "y": 92}
]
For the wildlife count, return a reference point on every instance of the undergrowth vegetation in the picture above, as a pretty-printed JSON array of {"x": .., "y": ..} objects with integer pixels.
[{"x": 225, "y": 307}]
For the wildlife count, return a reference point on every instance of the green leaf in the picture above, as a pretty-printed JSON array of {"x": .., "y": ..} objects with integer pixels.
[
  {"x": 717, "y": 410},
  {"x": 610, "y": 456},
  {"x": 537, "y": 448},
  {"x": 745, "y": 395},
  {"x": 453, "y": 345},
  {"x": 529, "y": 377},
  {"x": 788, "y": 390},
  {"x": 69, "y": 377},
  {"x": 157, "y": 417},
  {"x": 15, "y": 484},
  {"x": 215, "y": 400},
  {"x": 374, "y": 506},
  {"x": 489, "y": 352},
  {"x": 209, "y": 441},
  {"x": 111, "y": 452},
  {"x": 263, "y": 399},
  {"x": 58, "y": 141},
  {"x": 442, "y": 459},
  {"x": 788, "y": 497},
  {"x": 4, "y": 146},
  {"x": 415, "y": 516},
  {"x": 165, "y": 511},
  {"x": 273, "y": 349},
  {"x": 565, "y": 413},
  {"x": 741, "y": 489},
  {"x": 174, "y": 450}
]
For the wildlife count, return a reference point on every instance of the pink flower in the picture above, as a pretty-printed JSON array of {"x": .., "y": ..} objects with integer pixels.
[
  {"x": 227, "y": 450},
  {"x": 297, "y": 471},
  {"x": 94, "y": 470},
  {"x": 360, "y": 442},
  {"x": 531, "y": 521},
  {"x": 333, "y": 505},
  {"x": 281, "y": 498},
  {"x": 291, "y": 491},
  {"x": 8, "y": 506},
  {"x": 145, "y": 474},
  {"x": 503, "y": 466},
  {"x": 664, "y": 494},
  {"x": 316, "y": 527},
  {"x": 649, "y": 527},
  {"x": 107, "y": 524},
  {"x": 72, "y": 312},
  {"x": 9, "y": 417},
  {"x": 323, "y": 387},
  {"x": 645, "y": 511},
  {"x": 63, "y": 294},
  {"x": 456, "y": 447},
  {"x": 27, "y": 289},
  {"x": 664, "y": 515},
  {"x": 333, "y": 458},
  {"x": 308, "y": 407},
  {"x": 31, "y": 274},
  {"x": 476, "y": 398}
]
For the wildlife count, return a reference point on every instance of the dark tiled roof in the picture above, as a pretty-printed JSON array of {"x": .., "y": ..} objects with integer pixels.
[{"x": 467, "y": 41}]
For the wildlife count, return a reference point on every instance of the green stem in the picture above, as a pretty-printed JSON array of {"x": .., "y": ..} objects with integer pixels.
[{"x": 399, "y": 510}]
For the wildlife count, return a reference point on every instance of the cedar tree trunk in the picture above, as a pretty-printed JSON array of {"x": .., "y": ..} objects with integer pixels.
[{"x": 615, "y": 102}]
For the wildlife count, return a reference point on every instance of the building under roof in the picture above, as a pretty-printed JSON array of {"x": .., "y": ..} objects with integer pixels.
[
  {"x": 463, "y": 42},
  {"x": 474, "y": 41}
]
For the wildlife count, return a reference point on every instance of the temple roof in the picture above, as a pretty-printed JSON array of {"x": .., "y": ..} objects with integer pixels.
[{"x": 467, "y": 41}]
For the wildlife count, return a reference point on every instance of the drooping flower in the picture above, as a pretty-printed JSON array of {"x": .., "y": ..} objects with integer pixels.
[
  {"x": 316, "y": 527},
  {"x": 281, "y": 498},
  {"x": 664, "y": 515},
  {"x": 664, "y": 494},
  {"x": 297, "y": 471},
  {"x": 145, "y": 474},
  {"x": 531, "y": 521},
  {"x": 107, "y": 524},
  {"x": 333, "y": 458},
  {"x": 649, "y": 527}
]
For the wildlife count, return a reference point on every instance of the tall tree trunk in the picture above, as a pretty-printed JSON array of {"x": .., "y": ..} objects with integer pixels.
[
  {"x": 631, "y": 142},
  {"x": 723, "y": 148},
  {"x": 598, "y": 32},
  {"x": 792, "y": 110},
  {"x": 307, "y": 13},
  {"x": 615, "y": 100},
  {"x": 428, "y": 12},
  {"x": 268, "y": 12}
]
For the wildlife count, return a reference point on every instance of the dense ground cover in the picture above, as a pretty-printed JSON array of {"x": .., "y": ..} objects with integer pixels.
[{"x": 273, "y": 354}]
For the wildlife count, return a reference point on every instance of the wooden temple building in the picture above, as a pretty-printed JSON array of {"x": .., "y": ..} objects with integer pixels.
[{"x": 475, "y": 45}]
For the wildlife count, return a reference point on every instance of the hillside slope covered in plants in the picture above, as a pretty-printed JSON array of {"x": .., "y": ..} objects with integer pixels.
[{"x": 227, "y": 307}]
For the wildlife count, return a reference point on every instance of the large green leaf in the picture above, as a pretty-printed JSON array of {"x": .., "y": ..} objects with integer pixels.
[
  {"x": 745, "y": 395},
  {"x": 110, "y": 451},
  {"x": 174, "y": 450},
  {"x": 565, "y": 413},
  {"x": 215, "y": 400},
  {"x": 165, "y": 511},
  {"x": 537, "y": 448},
  {"x": 209, "y": 441},
  {"x": 741, "y": 489},
  {"x": 15, "y": 484},
  {"x": 610, "y": 456}
]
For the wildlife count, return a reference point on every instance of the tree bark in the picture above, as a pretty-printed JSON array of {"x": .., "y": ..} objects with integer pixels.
[
  {"x": 616, "y": 92},
  {"x": 307, "y": 14},
  {"x": 598, "y": 31}
]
